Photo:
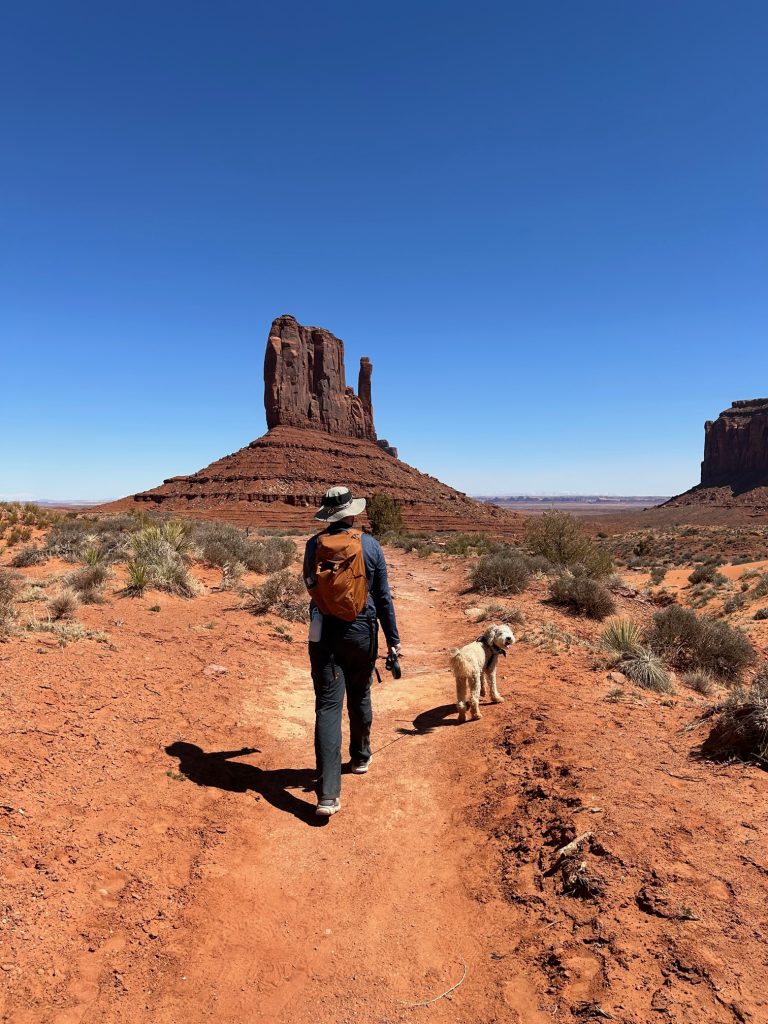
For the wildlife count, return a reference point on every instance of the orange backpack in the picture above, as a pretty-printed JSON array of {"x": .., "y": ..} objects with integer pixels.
[{"x": 341, "y": 586}]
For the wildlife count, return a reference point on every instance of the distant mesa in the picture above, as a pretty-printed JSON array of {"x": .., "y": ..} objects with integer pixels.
[
  {"x": 320, "y": 433},
  {"x": 734, "y": 471}
]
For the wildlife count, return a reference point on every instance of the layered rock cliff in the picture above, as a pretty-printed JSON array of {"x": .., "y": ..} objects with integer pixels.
[
  {"x": 736, "y": 447},
  {"x": 304, "y": 383}
]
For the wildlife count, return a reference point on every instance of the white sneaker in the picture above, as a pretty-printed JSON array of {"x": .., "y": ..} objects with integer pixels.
[
  {"x": 361, "y": 767},
  {"x": 325, "y": 808}
]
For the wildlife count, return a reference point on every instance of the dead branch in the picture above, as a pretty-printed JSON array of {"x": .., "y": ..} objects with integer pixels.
[{"x": 428, "y": 1002}]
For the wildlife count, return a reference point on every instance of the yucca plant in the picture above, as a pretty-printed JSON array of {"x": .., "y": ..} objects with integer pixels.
[
  {"x": 621, "y": 636},
  {"x": 177, "y": 535},
  {"x": 138, "y": 578},
  {"x": 93, "y": 554},
  {"x": 647, "y": 670}
]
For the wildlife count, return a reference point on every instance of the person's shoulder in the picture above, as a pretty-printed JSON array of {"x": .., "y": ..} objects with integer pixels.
[{"x": 370, "y": 543}]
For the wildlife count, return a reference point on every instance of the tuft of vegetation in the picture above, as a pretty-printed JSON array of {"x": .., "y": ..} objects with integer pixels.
[
  {"x": 30, "y": 555},
  {"x": 583, "y": 594},
  {"x": 500, "y": 613},
  {"x": 559, "y": 538},
  {"x": 9, "y": 590},
  {"x": 89, "y": 581},
  {"x": 761, "y": 614},
  {"x": 658, "y": 572},
  {"x": 158, "y": 560},
  {"x": 621, "y": 636},
  {"x": 647, "y": 670},
  {"x": 740, "y": 732},
  {"x": 699, "y": 681},
  {"x": 504, "y": 571},
  {"x": 221, "y": 544},
  {"x": 63, "y": 605},
  {"x": 469, "y": 544},
  {"x": 283, "y": 593},
  {"x": 761, "y": 587},
  {"x": 707, "y": 573},
  {"x": 689, "y": 641},
  {"x": 138, "y": 579},
  {"x": 384, "y": 515}
]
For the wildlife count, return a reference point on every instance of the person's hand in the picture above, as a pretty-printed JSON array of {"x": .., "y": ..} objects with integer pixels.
[{"x": 395, "y": 649}]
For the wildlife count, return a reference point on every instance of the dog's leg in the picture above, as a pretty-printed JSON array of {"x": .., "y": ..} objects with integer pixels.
[
  {"x": 495, "y": 695},
  {"x": 461, "y": 697},
  {"x": 474, "y": 697}
]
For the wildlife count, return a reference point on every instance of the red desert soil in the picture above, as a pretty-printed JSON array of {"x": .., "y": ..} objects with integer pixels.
[{"x": 142, "y": 886}]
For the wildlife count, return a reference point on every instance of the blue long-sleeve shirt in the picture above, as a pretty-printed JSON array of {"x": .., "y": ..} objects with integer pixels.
[{"x": 379, "y": 597}]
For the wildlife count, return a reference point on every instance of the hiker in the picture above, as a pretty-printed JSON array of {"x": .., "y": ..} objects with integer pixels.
[{"x": 346, "y": 576}]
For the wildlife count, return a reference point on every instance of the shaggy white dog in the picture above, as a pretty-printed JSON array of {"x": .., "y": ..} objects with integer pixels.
[{"x": 474, "y": 667}]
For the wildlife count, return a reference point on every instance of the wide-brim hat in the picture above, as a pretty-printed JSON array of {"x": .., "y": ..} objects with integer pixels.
[{"x": 338, "y": 503}]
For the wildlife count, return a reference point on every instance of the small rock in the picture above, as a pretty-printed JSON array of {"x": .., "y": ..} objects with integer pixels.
[{"x": 215, "y": 670}]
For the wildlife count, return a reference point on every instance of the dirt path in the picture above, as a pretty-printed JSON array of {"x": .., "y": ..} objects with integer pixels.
[{"x": 148, "y": 877}]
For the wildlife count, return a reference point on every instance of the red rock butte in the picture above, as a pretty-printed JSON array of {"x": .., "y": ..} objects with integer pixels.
[
  {"x": 734, "y": 472},
  {"x": 320, "y": 433}
]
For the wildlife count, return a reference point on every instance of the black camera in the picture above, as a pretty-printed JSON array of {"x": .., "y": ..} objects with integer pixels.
[{"x": 393, "y": 665}]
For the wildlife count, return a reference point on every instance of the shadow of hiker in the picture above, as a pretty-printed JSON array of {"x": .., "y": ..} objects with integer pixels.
[
  {"x": 428, "y": 721},
  {"x": 213, "y": 768}
]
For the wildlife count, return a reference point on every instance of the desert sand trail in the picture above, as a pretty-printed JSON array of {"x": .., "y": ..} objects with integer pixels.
[{"x": 154, "y": 871}]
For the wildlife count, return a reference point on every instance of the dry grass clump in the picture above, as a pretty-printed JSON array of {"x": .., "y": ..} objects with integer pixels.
[
  {"x": 761, "y": 614},
  {"x": 282, "y": 593},
  {"x": 699, "y": 681},
  {"x": 647, "y": 670},
  {"x": 559, "y": 538},
  {"x": 500, "y": 613},
  {"x": 582, "y": 594},
  {"x": 761, "y": 587},
  {"x": 63, "y": 605},
  {"x": 89, "y": 581},
  {"x": 9, "y": 590},
  {"x": 504, "y": 571},
  {"x": 469, "y": 544},
  {"x": 689, "y": 641},
  {"x": 25, "y": 513},
  {"x": 740, "y": 732},
  {"x": 707, "y": 573}
]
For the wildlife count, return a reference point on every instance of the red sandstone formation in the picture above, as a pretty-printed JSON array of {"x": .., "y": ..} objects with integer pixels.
[
  {"x": 320, "y": 434},
  {"x": 735, "y": 467},
  {"x": 304, "y": 383}
]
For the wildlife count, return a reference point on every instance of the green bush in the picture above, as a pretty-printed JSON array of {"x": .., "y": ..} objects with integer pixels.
[
  {"x": 284, "y": 594},
  {"x": 158, "y": 561},
  {"x": 221, "y": 544},
  {"x": 584, "y": 595},
  {"x": 384, "y": 515},
  {"x": 707, "y": 573},
  {"x": 761, "y": 587},
  {"x": 689, "y": 642},
  {"x": 505, "y": 571},
  {"x": 468, "y": 543},
  {"x": 559, "y": 537},
  {"x": 658, "y": 572}
]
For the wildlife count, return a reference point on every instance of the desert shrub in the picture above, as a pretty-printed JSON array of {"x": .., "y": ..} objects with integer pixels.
[
  {"x": 88, "y": 582},
  {"x": 9, "y": 589},
  {"x": 282, "y": 593},
  {"x": 231, "y": 574},
  {"x": 468, "y": 543},
  {"x": 647, "y": 670},
  {"x": 220, "y": 544},
  {"x": 707, "y": 573},
  {"x": 734, "y": 603},
  {"x": 384, "y": 515},
  {"x": 160, "y": 550},
  {"x": 500, "y": 613},
  {"x": 689, "y": 641},
  {"x": 761, "y": 587},
  {"x": 700, "y": 681},
  {"x": 761, "y": 614},
  {"x": 272, "y": 554},
  {"x": 30, "y": 555},
  {"x": 658, "y": 572},
  {"x": 16, "y": 534},
  {"x": 63, "y": 605},
  {"x": 621, "y": 636},
  {"x": 505, "y": 571},
  {"x": 559, "y": 538},
  {"x": 740, "y": 732},
  {"x": 67, "y": 539},
  {"x": 584, "y": 595}
]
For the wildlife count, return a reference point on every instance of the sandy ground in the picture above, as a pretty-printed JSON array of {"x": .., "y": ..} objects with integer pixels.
[{"x": 161, "y": 861}]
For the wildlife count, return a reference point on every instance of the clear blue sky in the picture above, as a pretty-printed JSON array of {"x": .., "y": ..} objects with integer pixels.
[{"x": 546, "y": 223}]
